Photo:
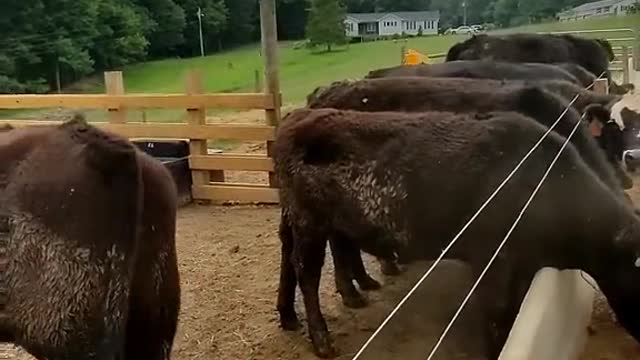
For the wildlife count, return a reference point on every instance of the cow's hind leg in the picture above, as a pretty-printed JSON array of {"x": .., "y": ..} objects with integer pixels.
[
  {"x": 358, "y": 270},
  {"x": 287, "y": 287},
  {"x": 308, "y": 259},
  {"x": 345, "y": 255}
]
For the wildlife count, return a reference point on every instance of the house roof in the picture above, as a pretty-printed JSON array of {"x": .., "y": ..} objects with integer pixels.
[
  {"x": 404, "y": 15},
  {"x": 592, "y": 6}
]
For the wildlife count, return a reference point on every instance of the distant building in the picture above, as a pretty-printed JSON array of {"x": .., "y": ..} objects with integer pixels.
[
  {"x": 385, "y": 24},
  {"x": 597, "y": 8}
]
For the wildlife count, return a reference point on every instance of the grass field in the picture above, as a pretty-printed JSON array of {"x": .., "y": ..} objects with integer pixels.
[{"x": 301, "y": 71}]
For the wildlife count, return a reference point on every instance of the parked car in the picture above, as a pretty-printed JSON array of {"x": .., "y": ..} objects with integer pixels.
[
  {"x": 478, "y": 28},
  {"x": 462, "y": 30}
]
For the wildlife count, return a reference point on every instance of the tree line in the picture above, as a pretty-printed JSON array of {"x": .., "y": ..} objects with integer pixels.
[{"x": 47, "y": 44}]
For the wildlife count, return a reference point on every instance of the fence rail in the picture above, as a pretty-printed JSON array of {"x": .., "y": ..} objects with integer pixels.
[
  {"x": 627, "y": 55},
  {"x": 140, "y": 101},
  {"x": 208, "y": 170}
]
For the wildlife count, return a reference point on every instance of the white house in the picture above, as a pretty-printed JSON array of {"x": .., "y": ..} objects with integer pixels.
[
  {"x": 598, "y": 8},
  {"x": 384, "y": 24}
]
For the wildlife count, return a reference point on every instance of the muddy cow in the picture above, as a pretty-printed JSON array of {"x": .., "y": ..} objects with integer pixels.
[
  {"x": 568, "y": 91},
  {"x": 348, "y": 175},
  {"x": 87, "y": 230},
  {"x": 584, "y": 77},
  {"x": 540, "y": 48},
  {"x": 479, "y": 69},
  {"x": 458, "y": 95},
  {"x": 472, "y": 95}
]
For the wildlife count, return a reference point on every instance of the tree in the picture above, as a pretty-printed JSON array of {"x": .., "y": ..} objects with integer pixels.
[
  {"x": 326, "y": 23},
  {"x": 121, "y": 38},
  {"x": 167, "y": 26},
  {"x": 244, "y": 20},
  {"x": 402, "y": 5}
]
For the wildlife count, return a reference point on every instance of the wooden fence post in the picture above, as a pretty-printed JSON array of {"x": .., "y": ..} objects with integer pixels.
[
  {"x": 114, "y": 85},
  {"x": 601, "y": 86},
  {"x": 257, "y": 81},
  {"x": 625, "y": 64},
  {"x": 269, "y": 31},
  {"x": 636, "y": 51},
  {"x": 403, "y": 52},
  {"x": 199, "y": 147}
]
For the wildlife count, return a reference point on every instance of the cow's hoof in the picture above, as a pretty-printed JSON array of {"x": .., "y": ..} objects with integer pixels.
[
  {"x": 368, "y": 283},
  {"x": 390, "y": 269},
  {"x": 627, "y": 184},
  {"x": 322, "y": 346},
  {"x": 290, "y": 322},
  {"x": 354, "y": 301}
]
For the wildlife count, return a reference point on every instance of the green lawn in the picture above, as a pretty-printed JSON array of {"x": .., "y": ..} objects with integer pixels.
[
  {"x": 612, "y": 22},
  {"x": 301, "y": 71}
]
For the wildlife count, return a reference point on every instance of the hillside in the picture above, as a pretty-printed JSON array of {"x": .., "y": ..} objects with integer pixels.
[{"x": 301, "y": 71}]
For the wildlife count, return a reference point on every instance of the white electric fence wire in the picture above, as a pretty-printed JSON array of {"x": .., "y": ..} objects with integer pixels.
[
  {"x": 464, "y": 228},
  {"x": 504, "y": 241}
]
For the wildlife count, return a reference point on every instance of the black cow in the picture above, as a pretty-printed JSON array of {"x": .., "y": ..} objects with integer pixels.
[
  {"x": 584, "y": 77},
  {"x": 473, "y": 95},
  {"x": 541, "y": 48},
  {"x": 407, "y": 182},
  {"x": 87, "y": 229},
  {"x": 480, "y": 69},
  {"x": 457, "y": 95}
]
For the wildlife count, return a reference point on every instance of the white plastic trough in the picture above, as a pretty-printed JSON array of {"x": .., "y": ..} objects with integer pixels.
[{"x": 553, "y": 318}]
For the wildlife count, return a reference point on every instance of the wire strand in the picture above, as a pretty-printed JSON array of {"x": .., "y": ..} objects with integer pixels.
[{"x": 504, "y": 241}]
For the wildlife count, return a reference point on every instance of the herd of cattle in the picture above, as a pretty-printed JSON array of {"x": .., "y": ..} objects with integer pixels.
[{"x": 393, "y": 165}]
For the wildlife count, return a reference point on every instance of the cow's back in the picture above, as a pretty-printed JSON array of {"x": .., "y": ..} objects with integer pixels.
[
  {"x": 479, "y": 69},
  {"x": 541, "y": 48},
  {"x": 71, "y": 199},
  {"x": 393, "y": 168},
  {"x": 415, "y": 94}
]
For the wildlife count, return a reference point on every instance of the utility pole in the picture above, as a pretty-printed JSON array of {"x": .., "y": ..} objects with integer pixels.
[
  {"x": 200, "y": 15},
  {"x": 464, "y": 9}
]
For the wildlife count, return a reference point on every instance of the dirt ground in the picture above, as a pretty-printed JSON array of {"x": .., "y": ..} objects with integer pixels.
[
  {"x": 229, "y": 258},
  {"x": 229, "y": 263}
]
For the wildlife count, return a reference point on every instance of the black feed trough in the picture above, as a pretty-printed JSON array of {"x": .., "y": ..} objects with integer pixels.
[{"x": 174, "y": 154}]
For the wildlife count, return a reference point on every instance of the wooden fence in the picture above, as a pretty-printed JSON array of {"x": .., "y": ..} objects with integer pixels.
[
  {"x": 208, "y": 171},
  {"x": 625, "y": 44}
]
